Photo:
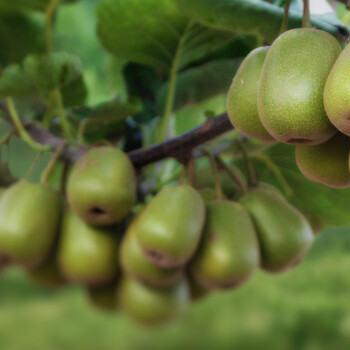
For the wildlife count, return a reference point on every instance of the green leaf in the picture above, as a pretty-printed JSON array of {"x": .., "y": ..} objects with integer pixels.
[
  {"x": 324, "y": 206},
  {"x": 253, "y": 17},
  {"x": 154, "y": 32},
  {"x": 26, "y": 5},
  {"x": 39, "y": 73},
  {"x": 105, "y": 121},
  {"x": 74, "y": 94},
  {"x": 19, "y": 36},
  {"x": 200, "y": 83}
]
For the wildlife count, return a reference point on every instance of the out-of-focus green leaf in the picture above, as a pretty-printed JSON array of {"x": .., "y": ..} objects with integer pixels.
[
  {"x": 74, "y": 93},
  {"x": 154, "y": 32},
  {"x": 105, "y": 121},
  {"x": 200, "y": 83},
  {"x": 253, "y": 17},
  {"x": 324, "y": 206},
  {"x": 26, "y": 5},
  {"x": 19, "y": 36},
  {"x": 39, "y": 73}
]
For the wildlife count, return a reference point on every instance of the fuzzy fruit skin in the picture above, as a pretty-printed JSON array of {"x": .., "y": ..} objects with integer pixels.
[
  {"x": 242, "y": 99},
  {"x": 290, "y": 97},
  {"x": 103, "y": 298},
  {"x": 229, "y": 251},
  {"x": 102, "y": 186},
  {"x": 170, "y": 227},
  {"x": 151, "y": 306},
  {"x": 134, "y": 263},
  {"x": 327, "y": 163},
  {"x": 285, "y": 235},
  {"x": 336, "y": 95},
  {"x": 29, "y": 220},
  {"x": 87, "y": 254}
]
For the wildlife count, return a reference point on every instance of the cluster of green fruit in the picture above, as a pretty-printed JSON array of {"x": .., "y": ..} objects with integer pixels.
[
  {"x": 177, "y": 247},
  {"x": 297, "y": 91}
]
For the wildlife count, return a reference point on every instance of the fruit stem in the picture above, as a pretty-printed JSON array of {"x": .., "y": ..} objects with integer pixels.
[
  {"x": 276, "y": 171},
  {"x": 46, "y": 173},
  {"x": 183, "y": 176},
  {"x": 22, "y": 132},
  {"x": 7, "y": 138},
  {"x": 284, "y": 25},
  {"x": 215, "y": 171},
  {"x": 35, "y": 162},
  {"x": 306, "y": 15},
  {"x": 242, "y": 186},
  {"x": 56, "y": 94},
  {"x": 49, "y": 13},
  {"x": 49, "y": 113},
  {"x": 248, "y": 163},
  {"x": 191, "y": 171}
]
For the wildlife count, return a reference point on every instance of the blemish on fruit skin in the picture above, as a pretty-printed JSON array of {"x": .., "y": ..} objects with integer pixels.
[{"x": 213, "y": 236}]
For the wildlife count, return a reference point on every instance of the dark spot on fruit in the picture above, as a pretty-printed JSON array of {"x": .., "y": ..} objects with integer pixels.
[
  {"x": 299, "y": 141},
  {"x": 97, "y": 211},
  {"x": 213, "y": 236},
  {"x": 154, "y": 255}
]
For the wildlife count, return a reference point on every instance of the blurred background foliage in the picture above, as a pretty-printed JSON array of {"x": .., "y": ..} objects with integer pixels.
[{"x": 306, "y": 308}]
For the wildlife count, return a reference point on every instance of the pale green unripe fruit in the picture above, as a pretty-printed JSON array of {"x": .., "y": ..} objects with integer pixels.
[
  {"x": 170, "y": 227},
  {"x": 336, "y": 94},
  {"x": 149, "y": 306},
  {"x": 242, "y": 99},
  {"x": 102, "y": 186},
  {"x": 87, "y": 254},
  {"x": 229, "y": 251},
  {"x": 285, "y": 235},
  {"x": 327, "y": 163},
  {"x": 290, "y": 97},
  {"x": 29, "y": 222}
]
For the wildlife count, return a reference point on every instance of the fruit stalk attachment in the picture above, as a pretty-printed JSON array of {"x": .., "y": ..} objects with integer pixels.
[
  {"x": 306, "y": 15},
  {"x": 232, "y": 174},
  {"x": 248, "y": 163},
  {"x": 22, "y": 132},
  {"x": 284, "y": 25},
  {"x": 46, "y": 173},
  {"x": 216, "y": 176}
]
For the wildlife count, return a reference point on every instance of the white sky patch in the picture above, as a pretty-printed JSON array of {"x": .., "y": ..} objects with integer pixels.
[{"x": 320, "y": 6}]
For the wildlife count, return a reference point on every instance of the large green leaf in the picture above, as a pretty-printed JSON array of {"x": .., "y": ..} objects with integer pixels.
[
  {"x": 326, "y": 207},
  {"x": 200, "y": 83},
  {"x": 19, "y": 36},
  {"x": 154, "y": 32},
  {"x": 39, "y": 73},
  {"x": 253, "y": 17}
]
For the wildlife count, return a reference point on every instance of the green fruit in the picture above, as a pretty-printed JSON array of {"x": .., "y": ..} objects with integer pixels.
[
  {"x": 48, "y": 274},
  {"x": 135, "y": 263},
  {"x": 2, "y": 190},
  {"x": 170, "y": 227},
  {"x": 284, "y": 234},
  {"x": 229, "y": 251},
  {"x": 327, "y": 163},
  {"x": 336, "y": 95},
  {"x": 87, "y": 254},
  {"x": 242, "y": 100},
  {"x": 290, "y": 97},
  {"x": 29, "y": 219},
  {"x": 104, "y": 297},
  {"x": 151, "y": 306},
  {"x": 102, "y": 186}
]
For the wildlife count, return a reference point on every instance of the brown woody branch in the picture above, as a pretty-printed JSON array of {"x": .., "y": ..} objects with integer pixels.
[{"x": 179, "y": 147}]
